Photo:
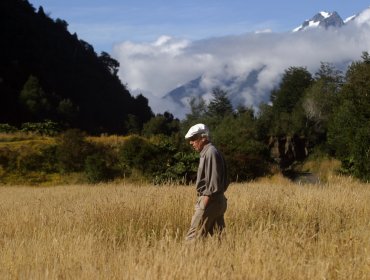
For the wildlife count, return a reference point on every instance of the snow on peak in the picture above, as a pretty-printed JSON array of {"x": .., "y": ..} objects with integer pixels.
[
  {"x": 325, "y": 14},
  {"x": 322, "y": 19},
  {"x": 349, "y": 18}
]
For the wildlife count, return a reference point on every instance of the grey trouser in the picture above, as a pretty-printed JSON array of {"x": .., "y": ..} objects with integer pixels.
[{"x": 209, "y": 220}]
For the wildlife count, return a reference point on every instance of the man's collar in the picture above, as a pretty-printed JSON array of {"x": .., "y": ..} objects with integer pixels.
[{"x": 205, "y": 148}]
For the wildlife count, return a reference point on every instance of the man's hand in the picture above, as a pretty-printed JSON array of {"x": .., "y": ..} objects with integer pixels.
[{"x": 205, "y": 200}]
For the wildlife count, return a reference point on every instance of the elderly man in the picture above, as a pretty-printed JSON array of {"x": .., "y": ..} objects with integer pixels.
[{"x": 210, "y": 185}]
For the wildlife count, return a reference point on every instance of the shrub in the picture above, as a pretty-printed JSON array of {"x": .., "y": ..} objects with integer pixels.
[
  {"x": 47, "y": 127},
  {"x": 6, "y": 128},
  {"x": 182, "y": 167},
  {"x": 96, "y": 169},
  {"x": 72, "y": 150},
  {"x": 8, "y": 159},
  {"x": 102, "y": 163},
  {"x": 138, "y": 153}
]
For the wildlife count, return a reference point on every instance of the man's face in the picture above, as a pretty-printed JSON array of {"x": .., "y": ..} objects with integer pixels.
[{"x": 198, "y": 142}]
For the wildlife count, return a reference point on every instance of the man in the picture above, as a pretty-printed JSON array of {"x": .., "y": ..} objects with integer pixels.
[{"x": 210, "y": 185}]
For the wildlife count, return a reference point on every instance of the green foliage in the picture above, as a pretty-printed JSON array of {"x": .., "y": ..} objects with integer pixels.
[
  {"x": 263, "y": 121},
  {"x": 6, "y": 128},
  {"x": 348, "y": 132},
  {"x": 181, "y": 167},
  {"x": 342, "y": 129},
  {"x": 102, "y": 163},
  {"x": 132, "y": 124},
  {"x": 8, "y": 159},
  {"x": 72, "y": 150},
  {"x": 30, "y": 156},
  {"x": 46, "y": 127},
  {"x": 198, "y": 109},
  {"x": 96, "y": 169},
  {"x": 220, "y": 106},
  {"x": 34, "y": 99},
  {"x": 246, "y": 156},
  {"x": 164, "y": 124},
  {"x": 361, "y": 153},
  {"x": 68, "y": 111},
  {"x": 31, "y": 159},
  {"x": 292, "y": 87},
  {"x": 157, "y": 159},
  {"x": 286, "y": 100},
  {"x": 139, "y": 154}
]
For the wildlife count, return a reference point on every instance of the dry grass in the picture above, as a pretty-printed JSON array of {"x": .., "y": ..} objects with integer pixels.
[{"x": 274, "y": 231}]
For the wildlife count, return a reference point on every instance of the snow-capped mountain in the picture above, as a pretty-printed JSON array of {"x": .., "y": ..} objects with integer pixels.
[
  {"x": 333, "y": 19},
  {"x": 322, "y": 19},
  {"x": 248, "y": 67}
]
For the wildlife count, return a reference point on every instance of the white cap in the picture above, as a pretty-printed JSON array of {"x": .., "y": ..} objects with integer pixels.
[{"x": 197, "y": 129}]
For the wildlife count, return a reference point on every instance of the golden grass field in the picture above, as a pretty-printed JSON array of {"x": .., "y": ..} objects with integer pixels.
[{"x": 275, "y": 230}]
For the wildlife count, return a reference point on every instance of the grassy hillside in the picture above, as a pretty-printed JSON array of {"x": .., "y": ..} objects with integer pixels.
[{"x": 275, "y": 230}]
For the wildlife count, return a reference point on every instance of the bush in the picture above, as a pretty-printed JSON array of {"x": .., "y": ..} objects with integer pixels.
[
  {"x": 96, "y": 169},
  {"x": 102, "y": 163},
  {"x": 6, "y": 128},
  {"x": 139, "y": 154},
  {"x": 8, "y": 159},
  {"x": 47, "y": 127},
  {"x": 72, "y": 150},
  {"x": 182, "y": 167}
]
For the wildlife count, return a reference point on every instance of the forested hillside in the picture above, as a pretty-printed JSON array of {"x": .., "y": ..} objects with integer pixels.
[{"x": 48, "y": 73}]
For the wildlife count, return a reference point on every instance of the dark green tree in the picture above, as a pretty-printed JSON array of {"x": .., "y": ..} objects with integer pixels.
[
  {"x": 68, "y": 111},
  {"x": 198, "y": 109},
  {"x": 287, "y": 99},
  {"x": 347, "y": 134},
  {"x": 133, "y": 124},
  {"x": 236, "y": 137},
  {"x": 320, "y": 101},
  {"x": 264, "y": 120},
  {"x": 220, "y": 105},
  {"x": 34, "y": 99},
  {"x": 292, "y": 87},
  {"x": 164, "y": 124},
  {"x": 111, "y": 64}
]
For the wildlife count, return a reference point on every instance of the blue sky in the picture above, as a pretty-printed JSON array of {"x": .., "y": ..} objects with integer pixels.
[{"x": 104, "y": 23}]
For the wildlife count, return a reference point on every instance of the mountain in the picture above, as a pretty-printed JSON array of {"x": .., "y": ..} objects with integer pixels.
[
  {"x": 266, "y": 56},
  {"x": 48, "y": 73},
  {"x": 235, "y": 86},
  {"x": 322, "y": 19},
  {"x": 333, "y": 19}
]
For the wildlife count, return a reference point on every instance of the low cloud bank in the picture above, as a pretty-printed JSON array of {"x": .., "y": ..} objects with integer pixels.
[{"x": 156, "y": 68}]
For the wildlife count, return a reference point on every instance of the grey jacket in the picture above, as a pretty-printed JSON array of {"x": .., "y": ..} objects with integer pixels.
[{"x": 212, "y": 174}]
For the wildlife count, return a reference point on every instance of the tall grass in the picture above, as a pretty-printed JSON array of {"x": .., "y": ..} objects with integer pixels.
[{"x": 275, "y": 230}]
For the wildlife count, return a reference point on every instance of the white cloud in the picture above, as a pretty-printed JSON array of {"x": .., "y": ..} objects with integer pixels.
[
  {"x": 363, "y": 18},
  {"x": 167, "y": 63}
]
